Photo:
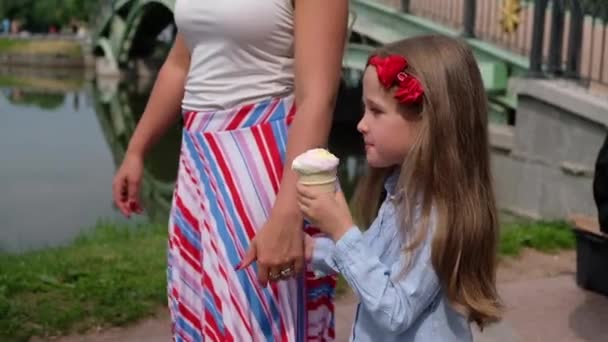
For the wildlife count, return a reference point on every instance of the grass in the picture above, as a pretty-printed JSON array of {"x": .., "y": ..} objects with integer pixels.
[
  {"x": 116, "y": 275},
  {"x": 40, "y": 47},
  {"x": 110, "y": 277},
  {"x": 544, "y": 236}
]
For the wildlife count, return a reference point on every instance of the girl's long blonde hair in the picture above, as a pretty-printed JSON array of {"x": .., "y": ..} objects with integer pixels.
[{"x": 450, "y": 164}]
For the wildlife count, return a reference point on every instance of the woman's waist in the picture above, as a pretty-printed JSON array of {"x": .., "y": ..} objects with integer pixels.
[
  {"x": 238, "y": 116},
  {"x": 222, "y": 89}
]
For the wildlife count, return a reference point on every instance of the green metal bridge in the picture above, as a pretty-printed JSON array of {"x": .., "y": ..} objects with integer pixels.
[{"x": 128, "y": 30}]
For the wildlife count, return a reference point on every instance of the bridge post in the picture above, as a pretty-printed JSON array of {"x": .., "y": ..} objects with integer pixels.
[
  {"x": 470, "y": 10},
  {"x": 575, "y": 40},
  {"x": 538, "y": 28},
  {"x": 405, "y": 6},
  {"x": 557, "y": 31}
]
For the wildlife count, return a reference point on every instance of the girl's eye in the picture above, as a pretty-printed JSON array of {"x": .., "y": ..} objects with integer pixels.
[
  {"x": 375, "y": 111},
  {"x": 372, "y": 109}
]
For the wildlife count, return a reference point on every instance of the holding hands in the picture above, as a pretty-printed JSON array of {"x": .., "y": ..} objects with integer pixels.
[{"x": 328, "y": 211}]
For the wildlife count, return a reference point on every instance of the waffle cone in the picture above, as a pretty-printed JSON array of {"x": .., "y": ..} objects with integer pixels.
[{"x": 320, "y": 182}]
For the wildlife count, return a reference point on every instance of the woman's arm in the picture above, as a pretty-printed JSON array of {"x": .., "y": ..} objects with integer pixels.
[
  {"x": 320, "y": 34},
  {"x": 162, "y": 109},
  {"x": 164, "y": 103}
]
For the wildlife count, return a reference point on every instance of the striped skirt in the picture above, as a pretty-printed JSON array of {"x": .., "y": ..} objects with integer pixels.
[{"x": 230, "y": 168}]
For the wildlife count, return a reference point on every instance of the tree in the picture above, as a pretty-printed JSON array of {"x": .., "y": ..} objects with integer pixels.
[
  {"x": 38, "y": 15},
  {"x": 596, "y": 8}
]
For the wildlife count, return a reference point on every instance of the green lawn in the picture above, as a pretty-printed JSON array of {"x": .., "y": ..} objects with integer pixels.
[
  {"x": 41, "y": 47},
  {"x": 111, "y": 277},
  {"x": 117, "y": 275}
]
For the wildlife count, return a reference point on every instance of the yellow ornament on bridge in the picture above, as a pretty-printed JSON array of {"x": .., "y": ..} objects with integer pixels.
[{"x": 510, "y": 15}]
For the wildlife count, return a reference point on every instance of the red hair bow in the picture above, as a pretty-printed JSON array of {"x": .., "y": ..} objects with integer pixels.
[{"x": 391, "y": 71}]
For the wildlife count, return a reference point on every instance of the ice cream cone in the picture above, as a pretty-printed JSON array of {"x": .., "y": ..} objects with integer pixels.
[
  {"x": 320, "y": 182},
  {"x": 317, "y": 169}
]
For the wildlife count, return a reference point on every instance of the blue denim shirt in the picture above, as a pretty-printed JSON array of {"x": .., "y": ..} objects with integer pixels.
[{"x": 393, "y": 306}]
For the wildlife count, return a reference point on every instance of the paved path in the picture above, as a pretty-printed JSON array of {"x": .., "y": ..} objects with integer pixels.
[
  {"x": 547, "y": 309},
  {"x": 346, "y": 308}
]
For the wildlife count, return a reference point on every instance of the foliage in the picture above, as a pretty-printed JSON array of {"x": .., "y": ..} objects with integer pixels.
[{"x": 39, "y": 15}]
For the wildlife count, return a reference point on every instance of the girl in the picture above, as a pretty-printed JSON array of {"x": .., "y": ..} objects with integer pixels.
[{"x": 426, "y": 266}]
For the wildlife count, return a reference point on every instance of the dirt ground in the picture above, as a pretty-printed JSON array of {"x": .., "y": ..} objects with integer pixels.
[{"x": 533, "y": 265}]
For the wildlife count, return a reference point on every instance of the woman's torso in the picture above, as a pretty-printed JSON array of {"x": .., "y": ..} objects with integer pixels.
[
  {"x": 241, "y": 51},
  {"x": 439, "y": 322}
]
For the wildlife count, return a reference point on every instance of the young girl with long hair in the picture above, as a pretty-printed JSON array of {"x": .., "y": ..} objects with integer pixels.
[{"x": 425, "y": 268}]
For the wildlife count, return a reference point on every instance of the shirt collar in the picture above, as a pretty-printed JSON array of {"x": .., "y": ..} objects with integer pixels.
[{"x": 390, "y": 185}]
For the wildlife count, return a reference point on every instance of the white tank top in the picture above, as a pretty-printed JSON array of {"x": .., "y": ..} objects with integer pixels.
[{"x": 241, "y": 51}]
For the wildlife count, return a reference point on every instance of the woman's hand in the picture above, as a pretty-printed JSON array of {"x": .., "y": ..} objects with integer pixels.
[
  {"x": 126, "y": 185},
  {"x": 327, "y": 211},
  {"x": 278, "y": 248}
]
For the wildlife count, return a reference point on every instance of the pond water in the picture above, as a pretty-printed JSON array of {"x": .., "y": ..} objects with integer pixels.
[{"x": 63, "y": 135}]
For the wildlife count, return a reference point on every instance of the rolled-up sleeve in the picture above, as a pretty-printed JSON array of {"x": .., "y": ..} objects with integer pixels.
[{"x": 322, "y": 257}]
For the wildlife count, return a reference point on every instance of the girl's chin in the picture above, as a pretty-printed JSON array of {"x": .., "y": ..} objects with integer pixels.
[{"x": 374, "y": 161}]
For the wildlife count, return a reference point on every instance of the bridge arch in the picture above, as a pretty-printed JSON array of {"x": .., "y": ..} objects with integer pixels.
[
  {"x": 131, "y": 28},
  {"x": 145, "y": 21}
]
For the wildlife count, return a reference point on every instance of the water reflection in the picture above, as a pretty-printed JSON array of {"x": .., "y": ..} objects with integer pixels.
[
  {"x": 43, "y": 100},
  {"x": 62, "y": 138},
  {"x": 55, "y": 169}
]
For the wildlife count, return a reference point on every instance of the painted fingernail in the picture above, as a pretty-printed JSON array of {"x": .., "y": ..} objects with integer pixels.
[
  {"x": 133, "y": 206},
  {"x": 237, "y": 267}
]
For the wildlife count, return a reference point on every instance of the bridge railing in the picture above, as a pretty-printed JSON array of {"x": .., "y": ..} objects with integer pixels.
[
  {"x": 506, "y": 23},
  {"x": 561, "y": 37},
  {"x": 570, "y": 38}
]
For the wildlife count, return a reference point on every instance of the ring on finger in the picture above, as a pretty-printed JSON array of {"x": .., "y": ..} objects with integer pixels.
[
  {"x": 274, "y": 276},
  {"x": 287, "y": 272}
]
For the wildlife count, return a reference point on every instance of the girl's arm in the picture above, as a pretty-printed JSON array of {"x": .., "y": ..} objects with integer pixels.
[
  {"x": 322, "y": 257},
  {"x": 395, "y": 300}
]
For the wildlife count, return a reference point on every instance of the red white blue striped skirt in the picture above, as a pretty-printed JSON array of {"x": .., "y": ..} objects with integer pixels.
[{"x": 230, "y": 168}]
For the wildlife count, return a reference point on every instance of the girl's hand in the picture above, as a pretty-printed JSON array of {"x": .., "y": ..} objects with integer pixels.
[{"x": 327, "y": 211}]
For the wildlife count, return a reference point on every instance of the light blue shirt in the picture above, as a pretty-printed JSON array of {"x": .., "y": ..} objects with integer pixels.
[{"x": 393, "y": 306}]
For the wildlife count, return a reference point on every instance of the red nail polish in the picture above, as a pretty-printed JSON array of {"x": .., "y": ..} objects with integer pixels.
[{"x": 238, "y": 267}]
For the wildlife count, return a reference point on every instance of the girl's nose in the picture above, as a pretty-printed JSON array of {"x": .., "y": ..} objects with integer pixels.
[{"x": 361, "y": 126}]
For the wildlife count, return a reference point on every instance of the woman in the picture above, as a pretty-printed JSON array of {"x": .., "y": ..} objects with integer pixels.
[{"x": 237, "y": 70}]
